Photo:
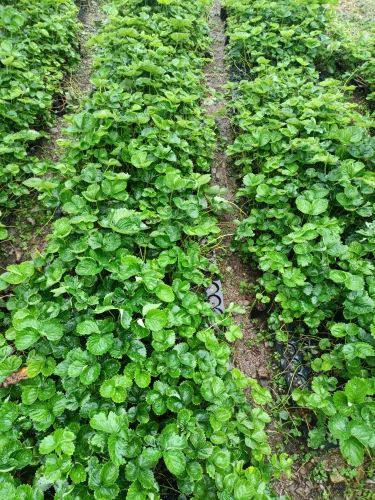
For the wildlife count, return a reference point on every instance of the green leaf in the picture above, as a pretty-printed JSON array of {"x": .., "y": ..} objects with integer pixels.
[
  {"x": 62, "y": 227},
  {"x": 124, "y": 221},
  {"x": 103, "y": 113},
  {"x": 195, "y": 471},
  {"x": 52, "y": 329},
  {"x": 357, "y": 389},
  {"x": 221, "y": 458},
  {"x": 352, "y": 451},
  {"x": 139, "y": 159},
  {"x": 110, "y": 424},
  {"x": 142, "y": 378},
  {"x": 125, "y": 319},
  {"x": 261, "y": 395},
  {"x": 164, "y": 293},
  {"x": 3, "y": 232},
  {"x": 8, "y": 414},
  {"x": 213, "y": 389},
  {"x": 117, "y": 448},
  {"x": 338, "y": 427},
  {"x": 233, "y": 333},
  {"x": 243, "y": 489},
  {"x": 293, "y": 277},
  {"x": 18, "y": 273},
  {"x": 109, "y": 474},
  {"x": 115, "y": 388},
  {"x": 29, "y": 394},
  {"x": 156, "y": 320},
  {"x": 77, "y": 474},
  {"x": 311, "y": 206},
  {"x": 222, "y": 414},
  {"x": 137, "y": 351},
  {"x": 170, "y": 440},
  {"x": 47, "y": 444},
  {"x": 351, "y": 281},
  {"x": 100, "y": 344},
  {"x": 88, "y": 267},
  {"x": 175, "y": 461},
  {"x": 61, "y": 441},
  {"x": 317, "y": 437},
  {"x": 136, "y": 492},
  {"x": 90, "y": 374},
  {"x": 25, "y": 339},
  {"x": 87, "y": 327},
  {"x": 353, "y": 350},
  {"x": 130, "y": 266},
  {"x": 364, "y": 433},
  {"x": 37, "y": 363},
  {"x": 344, "y": 329}
]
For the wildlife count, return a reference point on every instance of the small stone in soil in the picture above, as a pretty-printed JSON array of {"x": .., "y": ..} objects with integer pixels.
[
  {"x": 260, "y": 307},
  {"x": 300, "y": 492},
  {"x": 337, "y": 478},
  {"x": 360, "y": 474},
  {"x": 263, "y": 372}
]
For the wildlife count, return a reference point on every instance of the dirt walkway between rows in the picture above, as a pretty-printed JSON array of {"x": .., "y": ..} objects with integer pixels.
[
  {"x": 236, "y": 275},
  {"x": 30, "y": 223},
  {"x": 76, "y": 86}
]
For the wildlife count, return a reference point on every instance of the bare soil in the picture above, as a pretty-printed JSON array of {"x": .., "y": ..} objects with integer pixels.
[
  {"x": 252, "y": 360},
  {"x": 30, "y": 221},
  {"x": 76, "y": 86},
  {"x": 362, "y": 11}
]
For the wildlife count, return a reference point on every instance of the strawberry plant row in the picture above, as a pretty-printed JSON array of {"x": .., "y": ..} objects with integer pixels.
[
  {"x": 115, "y": 370},
  {"x": 38, "y": 43},
  {"x": 351, "y": 56},
  {"x": 307, "y": 158}
]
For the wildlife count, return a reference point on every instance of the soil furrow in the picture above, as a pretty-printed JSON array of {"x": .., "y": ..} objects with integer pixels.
[
  {"x": 236, "y": 275},
  {"x": 76, "y": 86},
  {"x": 30, "y": 221}
]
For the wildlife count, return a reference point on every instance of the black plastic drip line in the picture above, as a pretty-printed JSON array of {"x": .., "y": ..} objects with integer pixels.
[{"x": 296, "y": 372}]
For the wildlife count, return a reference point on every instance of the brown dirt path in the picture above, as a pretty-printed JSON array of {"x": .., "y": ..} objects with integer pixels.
[
  {"x": 360, "y": 11},
  {"x": 30, "y": 222},
  {"x": 250, "y": 360},
  {"x": 76, "y": 86}
]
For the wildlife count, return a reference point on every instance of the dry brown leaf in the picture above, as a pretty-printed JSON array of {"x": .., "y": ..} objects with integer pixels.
[{"x": 16, "y": 377}]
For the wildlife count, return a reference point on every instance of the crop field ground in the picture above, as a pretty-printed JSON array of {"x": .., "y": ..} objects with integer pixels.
[{"x": 187, "y": 236}]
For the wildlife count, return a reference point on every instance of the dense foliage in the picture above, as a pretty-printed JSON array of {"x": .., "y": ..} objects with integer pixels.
[
  {"x": 307, "y": 159},
  {"x": 124, "y": 387},
  {"x": 350, "y": 54},
  {"x": 38, "y": 43}
]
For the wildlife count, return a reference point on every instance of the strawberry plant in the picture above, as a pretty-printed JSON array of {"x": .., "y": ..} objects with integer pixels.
[
  {"x": 307, "y": 158},
  {"x": 114, "y": 369},
  {"x": 38, "y": 44},
  {"x": 350, "y": 55},
  {"x": 278, "y": 33}
]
